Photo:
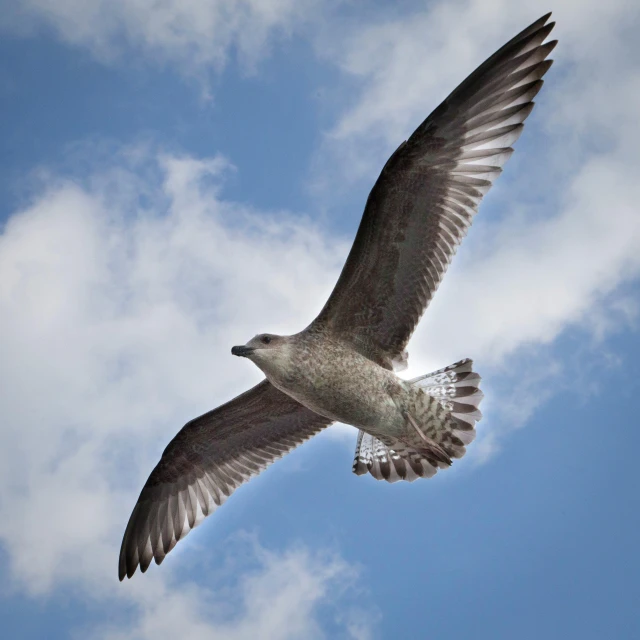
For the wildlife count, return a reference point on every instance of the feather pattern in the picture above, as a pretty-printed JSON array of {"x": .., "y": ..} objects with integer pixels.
[
  {"x": 209, "y": 459},
  {"x": 456, "y": 390},
  {"x": 425, "y": 199}
]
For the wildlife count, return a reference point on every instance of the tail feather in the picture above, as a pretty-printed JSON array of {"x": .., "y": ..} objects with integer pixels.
[
  {"x": 390, "y": 463},
  {"x": 456, "y": 389}
]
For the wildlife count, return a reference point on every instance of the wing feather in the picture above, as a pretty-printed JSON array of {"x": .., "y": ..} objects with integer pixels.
[{"x": 427, "y": 195}]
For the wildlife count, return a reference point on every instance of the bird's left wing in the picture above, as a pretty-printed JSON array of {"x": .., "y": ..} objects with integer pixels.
[
  {"x": 209, "y": 459},
  {"x": 425, "y": 199}
]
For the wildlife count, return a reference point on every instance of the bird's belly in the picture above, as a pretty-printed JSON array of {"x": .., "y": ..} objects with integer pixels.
[
  {"x": 362, "y": 412},
  {"x": 363, "y": 400}
]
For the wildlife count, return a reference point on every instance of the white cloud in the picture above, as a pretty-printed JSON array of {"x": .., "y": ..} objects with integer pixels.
[
  {"x": 191, "y": 33},
  {"x": 277, "y": 600},
  {"x": 119, "y": 308}
]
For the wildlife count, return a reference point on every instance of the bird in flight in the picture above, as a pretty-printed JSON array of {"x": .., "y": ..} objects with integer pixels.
[{"x": 341, "y": 367}]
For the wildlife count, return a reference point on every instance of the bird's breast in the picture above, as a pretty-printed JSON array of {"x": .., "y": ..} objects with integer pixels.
[{"x": 343, "y": 385}]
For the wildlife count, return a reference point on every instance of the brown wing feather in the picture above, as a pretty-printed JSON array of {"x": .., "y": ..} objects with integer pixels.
[
  {"x": 206, "y": 462},
  {"x": 426, "y": 196}
]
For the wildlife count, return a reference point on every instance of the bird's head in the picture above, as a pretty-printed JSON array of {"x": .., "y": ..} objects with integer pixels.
[{"x": 268, "y": 351}]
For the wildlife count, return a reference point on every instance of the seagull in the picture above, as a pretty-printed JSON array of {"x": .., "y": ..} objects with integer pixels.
[{"x": 341, "y": 368}]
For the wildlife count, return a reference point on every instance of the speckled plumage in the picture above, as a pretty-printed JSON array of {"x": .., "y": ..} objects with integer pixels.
[
  {"x": 340, "y": 368},
  {"x": 333, "y": 380}
]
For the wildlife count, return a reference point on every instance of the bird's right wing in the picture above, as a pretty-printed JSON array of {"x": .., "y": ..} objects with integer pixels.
[{"x": 209, "y": 459}]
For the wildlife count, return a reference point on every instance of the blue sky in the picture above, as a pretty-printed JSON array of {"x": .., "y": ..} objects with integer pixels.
[{"x": 180, "y": 176}]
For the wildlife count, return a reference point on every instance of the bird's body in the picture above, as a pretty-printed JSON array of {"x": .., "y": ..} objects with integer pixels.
[
  {"x": 340, "y": 368},
  {"x": 357, "y": 392},
  {"x": 331, "y": 379}
]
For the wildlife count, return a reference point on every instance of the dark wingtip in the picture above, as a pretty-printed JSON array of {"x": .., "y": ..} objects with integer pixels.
[
  {"x": 535, "y": 26},
  {"x": 125, "y": 572},
  {"x": 543, "y": 20},
  {"x": 126, "y": 567},
  {"x": 551, "y": 45},
  {"x": 122, "y": 569},
  {"x": 545, "y": 30}
]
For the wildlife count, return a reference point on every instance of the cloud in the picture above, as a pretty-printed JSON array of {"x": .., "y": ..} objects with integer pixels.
[
  {"x": 278, "y": 598},
  {"x": 121, "y": 292},
  {"x": 194, "y": 34}
]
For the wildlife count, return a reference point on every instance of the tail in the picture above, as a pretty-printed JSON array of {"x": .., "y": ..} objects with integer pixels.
[{"x": 450, "y": 428}]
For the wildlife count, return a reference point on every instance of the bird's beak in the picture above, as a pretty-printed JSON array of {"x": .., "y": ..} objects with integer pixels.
[{"x": 243, "y": 352}]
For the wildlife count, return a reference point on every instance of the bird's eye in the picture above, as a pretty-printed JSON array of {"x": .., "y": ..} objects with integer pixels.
[{"x": 266, "y": 339}]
